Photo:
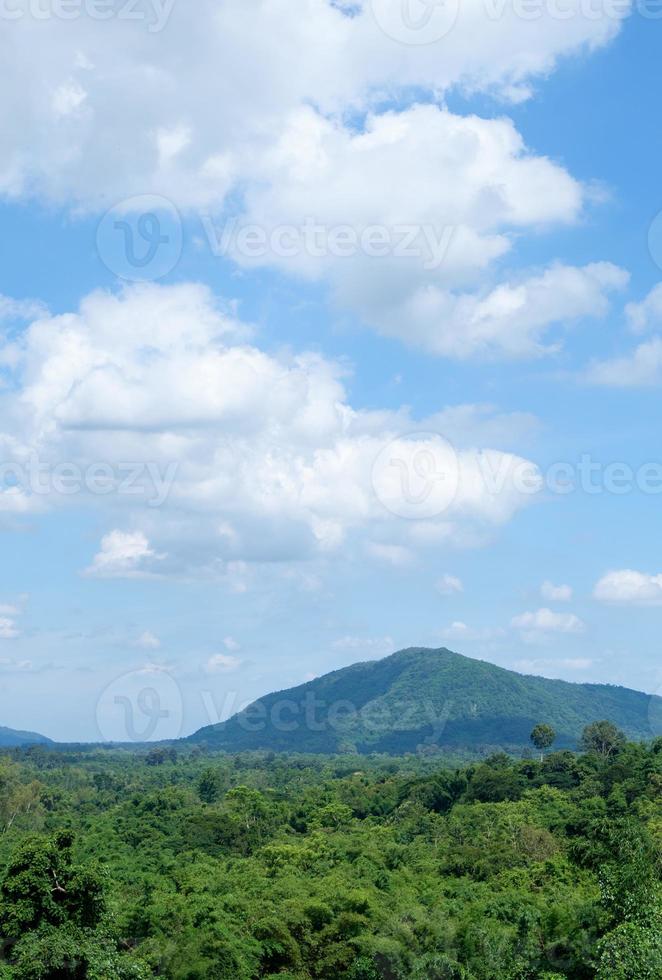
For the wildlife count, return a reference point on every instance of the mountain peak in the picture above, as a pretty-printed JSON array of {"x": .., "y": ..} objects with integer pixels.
[{"x": 426, "y": 698}]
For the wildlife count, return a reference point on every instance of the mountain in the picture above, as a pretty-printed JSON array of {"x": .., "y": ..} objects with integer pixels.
[
  {"x": 421, "y": 697},
  {"x": 9, "y": 738}
]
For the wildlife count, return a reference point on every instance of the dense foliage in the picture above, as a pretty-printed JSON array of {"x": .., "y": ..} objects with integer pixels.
[
  {"x": 198, "y": 866},
  {"x": 421, "y": 699}
]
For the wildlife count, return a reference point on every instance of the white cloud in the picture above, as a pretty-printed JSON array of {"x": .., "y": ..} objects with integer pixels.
[
  {"x": 221, "y": 663},
  {"x": 449, "y": 585},
  {"x": 423, "y": 288},
  {"x": 148, "y": 641},
  {"x": 117, "y": 109},
  {"x": 376, "y": 645},
  {"x": 641, "y": 368},
  {"x": 509, "y": 321},
  {"x": 556, "y": 593},
  {"x": 630, "y": 587},
  {"x": 392, "y": 554},
  {"x": 231, "y": 644},
  {"x": 15, "y": 309},
  {"x": 459, "y": 632},
  {"x": 117, "y": 112},
  {"x": 538, "y": 625},
  {"x": 122, "y": 554},
  {"x": 8, "y": 629},
  {"x": 647, "y": 314},
  {"x": 483, "y": 424},
  {"x": 67, "y": 98},
  {"x": 265, "y": 457}
]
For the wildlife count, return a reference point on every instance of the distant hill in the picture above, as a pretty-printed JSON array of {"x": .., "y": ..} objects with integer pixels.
[
  {"x": 426, "y": 698},
  {"x": 9, "y": 738}
]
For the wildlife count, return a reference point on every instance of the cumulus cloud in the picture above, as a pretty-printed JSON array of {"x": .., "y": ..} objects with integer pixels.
[
  {"x": 9, "y": 613},
  {"x": 114, "y": 115},
  {"x": 15, "y": 309},
  {"x": 123, "y": 554},
  {"x": 538, "y": 625},
  {"x": 641, "y": 368},
  {"x": 556, "y": 593},
  {"x": 148, "y": 641},
  {"x": 265, "y": 457},
  {"x": 375, "y": 645},
  {"x": 647, "y": 314},
  {"x": 629, "y": 587},
  {"x": 392, "y": 554},
  {"x": 221, "y": 663},
  {"x": 409, "y": 265},
  {"x": 460, "y": 631},
  {"x": 117, "y": 109},
  {"x": 449, "y": 585},
  {"x": 8, "y": 629}
]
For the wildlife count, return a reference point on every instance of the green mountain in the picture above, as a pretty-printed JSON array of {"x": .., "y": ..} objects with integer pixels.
[
  {"x": 10, "y": 738},
  {"x": 427, "y": 698}
]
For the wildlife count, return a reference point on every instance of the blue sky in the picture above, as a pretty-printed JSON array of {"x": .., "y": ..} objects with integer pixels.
[{"x": 282, "y": 398}]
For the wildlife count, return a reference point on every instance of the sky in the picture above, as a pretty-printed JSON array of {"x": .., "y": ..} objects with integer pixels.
[{"x": 325, "y": 330}]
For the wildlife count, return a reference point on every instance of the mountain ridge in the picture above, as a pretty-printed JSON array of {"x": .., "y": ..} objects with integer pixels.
[
  {"x": 425, "y": 698},
  {"x": 14, "y": 738}
]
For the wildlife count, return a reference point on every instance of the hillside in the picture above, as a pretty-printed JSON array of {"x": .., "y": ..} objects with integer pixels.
[
  {"x": 10, "y": 738},
  {"x": 421, "y": 697}
]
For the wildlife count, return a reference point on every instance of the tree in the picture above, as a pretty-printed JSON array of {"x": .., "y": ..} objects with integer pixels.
[
  {"x": 603, "y": 738},
  {"x": 42, "y": 886},
  {"x": 210, "y": 785},
  {"x": 52, "y": 917},
  {"x": 543, "y": 737},
  {"x": 630, "y": 952},
  {"x": 160, "y": 755}
]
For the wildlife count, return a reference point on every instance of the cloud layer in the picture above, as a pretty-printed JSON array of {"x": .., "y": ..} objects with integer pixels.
[
  {"x": 276, "y": 114},
  {"x": 258, "y": 457}
]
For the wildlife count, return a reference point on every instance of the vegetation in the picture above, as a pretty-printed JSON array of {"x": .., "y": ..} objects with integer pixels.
[
  {"x": 543, "y": 737},
  {"x": 195, "y": 865},
  {"x": 466, "y": 705}
]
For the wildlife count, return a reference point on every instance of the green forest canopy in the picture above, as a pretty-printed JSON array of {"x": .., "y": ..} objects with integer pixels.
[{"x": 204, "y": 866}]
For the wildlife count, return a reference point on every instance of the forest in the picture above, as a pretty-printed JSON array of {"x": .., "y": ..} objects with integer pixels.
[{"x": 193, "y": 864}]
